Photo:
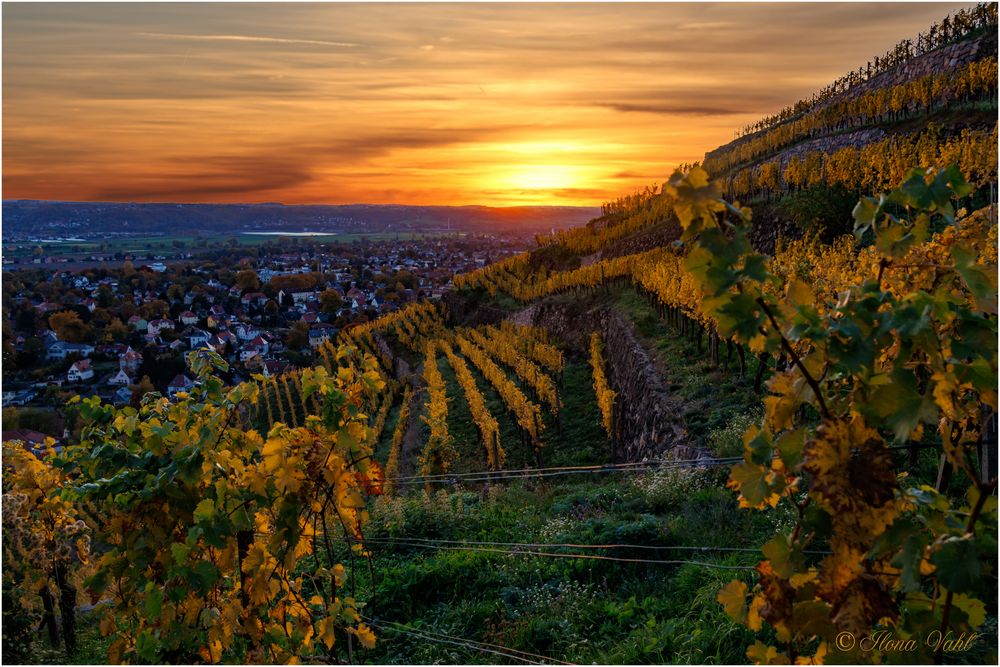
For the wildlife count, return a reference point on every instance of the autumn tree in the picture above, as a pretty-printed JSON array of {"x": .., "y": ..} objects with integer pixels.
[
  {"x": 247, "y": 280},
  {"x": 330, "y": 301},
  {"x": 69, "y": 327},
  {"x": 116, "y": 330}
]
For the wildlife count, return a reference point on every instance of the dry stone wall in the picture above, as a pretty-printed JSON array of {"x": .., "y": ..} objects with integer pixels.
[{"x": 650, "y": 422}]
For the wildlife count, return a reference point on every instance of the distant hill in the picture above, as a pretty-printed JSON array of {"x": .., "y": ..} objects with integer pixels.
[{"x": 32, "y": 219}]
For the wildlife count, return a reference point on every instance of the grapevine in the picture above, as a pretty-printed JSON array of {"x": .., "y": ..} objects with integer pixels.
[
  {"x": 438, "y": 453},
  {"x": 605, "y": 395},
  {"x": 900, "y": 555},
  {"x": 487, "y": 425}
]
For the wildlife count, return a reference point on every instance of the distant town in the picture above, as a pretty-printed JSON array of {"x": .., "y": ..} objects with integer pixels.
[{"x": 121, "y": 331}]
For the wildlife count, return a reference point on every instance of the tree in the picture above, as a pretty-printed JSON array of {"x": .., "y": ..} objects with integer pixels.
[
  {"x": 330, "y": 301},
  {"x": 69, "y": 327},
  {"x": 117, "y": 331},
  {"x": 105, "y": 297},
  {"x": 298, "y": 336},
  {"x": 141, "y": 388},
  {"x": 247, "y": 280},
  {"x": 154, "y": 309},
  {"x": 175, "y": 293}
]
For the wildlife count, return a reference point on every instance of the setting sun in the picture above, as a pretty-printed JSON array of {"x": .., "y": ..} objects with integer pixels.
[{"x": 540, "y": 177}]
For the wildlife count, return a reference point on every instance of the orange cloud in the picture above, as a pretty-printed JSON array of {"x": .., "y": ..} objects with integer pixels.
[{"x": 442, "y": 103}]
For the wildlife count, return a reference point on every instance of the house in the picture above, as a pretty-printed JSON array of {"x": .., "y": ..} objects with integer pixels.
[
  {"x": 257, "y": 346},
  {"x": 216, "y": 345},
  {"x": 80, "y": 371},
  {"x": 49, "y": 338},
  {"x": 246, "y": 332},
  {"x": 298, "y": 297},
  {"x": 178, "y": 384},
  {"x": 196, "y": 337},
  {"x": 274, "y": 367},
  {"x": 320, "y": 333},
  {"x": 123, "y": 396},
  {"x": 156, "y": 326},
  {"x": 130, "y": 361},
  {"x": 19, "y": 397},
  {"x": 61, "y": 349},
  {"x": 188, "y": 318},
  {"x": 226, "y": 337},
  {"x": 111, "y": 349},
  {"x": 120, "y": 379},
  {"x": 253, "y": 299},
  {"x": 137, "y": 323}
]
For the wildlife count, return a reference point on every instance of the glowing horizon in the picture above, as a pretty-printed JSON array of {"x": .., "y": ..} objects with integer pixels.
[{"x": 500, "y": 105}]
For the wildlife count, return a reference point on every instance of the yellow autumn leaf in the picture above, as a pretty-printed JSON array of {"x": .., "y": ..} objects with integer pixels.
[
  {"x": 325, "y": 631},
  {"x": 762, "y": 654},
  {"x": 365, "y": 636},
  {"x": 733, "y": 598}
]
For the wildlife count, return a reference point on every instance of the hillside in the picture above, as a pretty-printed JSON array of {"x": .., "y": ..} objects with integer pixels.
[{"x": 683, "y": 433}]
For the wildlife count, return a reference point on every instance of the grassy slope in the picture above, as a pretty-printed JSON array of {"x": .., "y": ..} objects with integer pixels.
[{"x": 576, "y": 610}]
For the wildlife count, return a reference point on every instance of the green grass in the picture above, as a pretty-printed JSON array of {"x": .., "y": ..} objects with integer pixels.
[
  {"x": 92, "y": 649},
  {"x": 194, "y": 244},
  {"x": 571, "y": 609},
  {"x": 715, "y": 400}
]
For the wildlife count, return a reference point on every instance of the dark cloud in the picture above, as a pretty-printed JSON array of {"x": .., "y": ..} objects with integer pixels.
[
  {"x": 632, "y": 175},
  {"x": 212, "y": 176},
  {"x": 676, "y": 109}
]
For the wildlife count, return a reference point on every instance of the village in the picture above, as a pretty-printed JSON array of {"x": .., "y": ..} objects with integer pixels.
[{"x": 120, "y": 333}]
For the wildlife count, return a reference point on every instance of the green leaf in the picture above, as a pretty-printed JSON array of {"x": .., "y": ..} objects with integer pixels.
[
  {"x": 864, "y": 215},
  {"x": 790, "y": 445},
  {"x": 901, "y": 405},
  {"x": 908, "y": 560},
  {"x": 180, "y": 552},
  {"x": 154, "y": 601},
  {"x": 203, "y": 576},
  {"x": 785, "y": 560},
  {"x": 204, "y": 511},
  {"x": 982, "y": 282},
  {"x": 750, "y": 479},
  {"x": 975, "y": 611},
  {"x": 147, "y": 646},
  {"x": 958, "y": 567}
]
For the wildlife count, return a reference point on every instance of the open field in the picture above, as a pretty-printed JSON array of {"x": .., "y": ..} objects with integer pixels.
[{"x": 188, "y": 243}]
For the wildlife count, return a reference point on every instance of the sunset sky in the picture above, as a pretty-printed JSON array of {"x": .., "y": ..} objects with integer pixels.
[{"x": 410, "y": 104}]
